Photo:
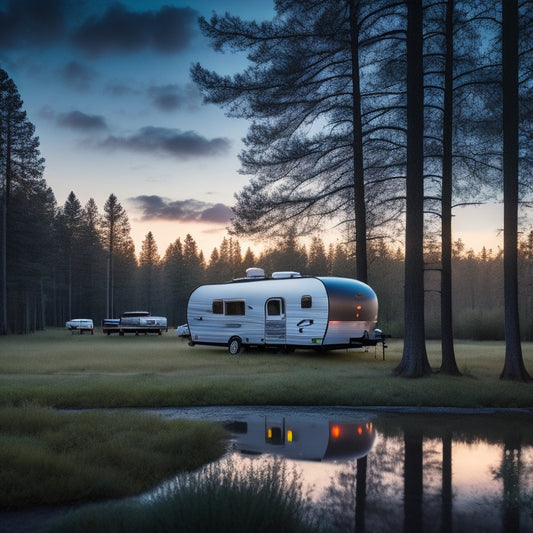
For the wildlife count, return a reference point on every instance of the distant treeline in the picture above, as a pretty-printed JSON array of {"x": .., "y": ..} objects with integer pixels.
[{"x": 74, "y": 262}]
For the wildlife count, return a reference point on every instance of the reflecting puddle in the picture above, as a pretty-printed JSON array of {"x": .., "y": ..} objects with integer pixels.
[{"x": 385, "y": 471}]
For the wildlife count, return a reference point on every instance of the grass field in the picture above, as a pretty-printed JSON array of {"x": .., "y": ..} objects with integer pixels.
[
  {"x": 95, "y": 455},
  {"x": 58, "y": 369}
]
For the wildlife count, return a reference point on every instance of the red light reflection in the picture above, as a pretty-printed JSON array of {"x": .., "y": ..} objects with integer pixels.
[{"x": 335, "y": 432}]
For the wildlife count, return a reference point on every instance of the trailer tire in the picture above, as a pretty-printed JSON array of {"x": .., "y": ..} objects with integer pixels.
[{"x": 234, "y": 345}]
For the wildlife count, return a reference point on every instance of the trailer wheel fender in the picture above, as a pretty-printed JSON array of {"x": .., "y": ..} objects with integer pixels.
[{"x": 234, "y": 345}]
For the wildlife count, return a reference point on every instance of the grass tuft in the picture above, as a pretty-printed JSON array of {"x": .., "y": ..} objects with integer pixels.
[{"x": 220, "y": 498}]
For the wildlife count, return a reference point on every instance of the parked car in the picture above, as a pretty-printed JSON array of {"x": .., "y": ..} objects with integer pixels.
[
  {"x": 135, "y": 322},
  {"x": 80, "y": 325}
]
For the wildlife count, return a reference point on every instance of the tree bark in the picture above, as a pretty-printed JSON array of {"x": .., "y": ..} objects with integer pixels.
[
  {"x": 448, "y": 362},
  {"x": 414, "y": 361},
  {"x": 514, "y": 368},
  {"x": 357, "y": 127}
]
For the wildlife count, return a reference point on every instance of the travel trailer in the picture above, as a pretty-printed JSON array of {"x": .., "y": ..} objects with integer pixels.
[{"x": 286, "y": 310}]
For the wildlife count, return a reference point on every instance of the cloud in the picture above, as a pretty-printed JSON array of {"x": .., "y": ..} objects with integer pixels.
[
  {"x": 77, "y": 120},
  {"x": 155, "y": 207},
  {"x": 172, "y": 97},
  {"x": 167, "y": 141},
  {"x": 219, "y": 213},
  {"x": 118, "y": 29},
  {"x": 33, "y": 22},
  {"x": 77, "y": 75}
]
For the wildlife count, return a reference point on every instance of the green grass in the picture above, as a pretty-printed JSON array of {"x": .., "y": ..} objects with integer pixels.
[
  {"x": 89, "y": 456},
  {"x": 50, "y": 457},
  {"x": 55, "y": 368},
  {"x": 265, "y": 498}
]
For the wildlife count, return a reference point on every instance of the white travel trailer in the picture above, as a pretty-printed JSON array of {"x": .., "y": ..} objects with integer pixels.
[{"x": 286, "y": 310}]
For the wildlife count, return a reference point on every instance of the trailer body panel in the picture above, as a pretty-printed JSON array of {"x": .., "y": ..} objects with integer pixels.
[{"x": 293, "y": 311}]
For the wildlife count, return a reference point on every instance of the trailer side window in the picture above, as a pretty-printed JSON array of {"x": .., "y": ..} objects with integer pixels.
[
  {"x": 218, "y": 307},
  {"x": 274, "y": 307},
  {"x": 234, "y": 307},
  {"x": 307, "y": 302}
]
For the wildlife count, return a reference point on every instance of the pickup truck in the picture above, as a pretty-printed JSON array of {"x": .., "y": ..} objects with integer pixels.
[{"x": 135, "y": 322}]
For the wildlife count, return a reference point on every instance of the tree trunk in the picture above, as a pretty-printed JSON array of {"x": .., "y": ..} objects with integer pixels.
[
  {"x": 514, "y": 368},
  {"x": 3, "y": 326},
  {"x": 5, "y": 233},
  {"x": 448, "y": 362},
  {"x": 359, "y": 183},
  {"x": 414, "y": 361}
]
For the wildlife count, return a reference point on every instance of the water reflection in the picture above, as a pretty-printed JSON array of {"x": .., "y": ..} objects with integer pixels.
[
  {"x": 305, "y": 438},
  {"x": 414, "y": 473}
]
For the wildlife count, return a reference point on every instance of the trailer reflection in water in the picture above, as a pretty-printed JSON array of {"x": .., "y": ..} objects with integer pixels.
[
  {"x": 312, "y": 439},
  {"x": 389, "y": 472}
]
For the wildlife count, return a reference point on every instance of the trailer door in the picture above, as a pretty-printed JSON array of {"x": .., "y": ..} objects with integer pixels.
[{"x": 275, "y": 321}]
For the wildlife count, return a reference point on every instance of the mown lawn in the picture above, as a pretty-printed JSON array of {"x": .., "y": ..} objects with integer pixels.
[{"x": 58, "y": 369}]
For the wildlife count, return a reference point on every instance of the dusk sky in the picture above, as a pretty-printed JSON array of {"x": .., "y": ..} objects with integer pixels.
[{"x": 107, "y": 86}]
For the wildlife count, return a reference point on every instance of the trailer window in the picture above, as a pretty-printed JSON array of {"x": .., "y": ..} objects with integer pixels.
[
  {"x": 234, "y": 307},
  {"x": 218, "y": 307},
  {"x": 307, "y": 302}
]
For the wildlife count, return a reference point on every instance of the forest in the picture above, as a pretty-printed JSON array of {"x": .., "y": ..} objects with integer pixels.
[
  {"x": 62, "y": 271},
  {"x": 382, "y": 116}
]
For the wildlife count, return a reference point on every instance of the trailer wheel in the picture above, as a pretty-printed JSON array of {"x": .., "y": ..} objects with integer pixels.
[{"x": 234, "y": 345}]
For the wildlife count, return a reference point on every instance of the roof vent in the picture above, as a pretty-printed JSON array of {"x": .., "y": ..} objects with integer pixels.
[
  {"x": 255, "y": 272},
  {"x": 286, "y": 274}
]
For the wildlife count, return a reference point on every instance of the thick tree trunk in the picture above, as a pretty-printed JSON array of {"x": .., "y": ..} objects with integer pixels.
[
  {"x": 414, "y": 361},
  {"x": 448, "y": 362},
  {"x": 514, "y": 368}
]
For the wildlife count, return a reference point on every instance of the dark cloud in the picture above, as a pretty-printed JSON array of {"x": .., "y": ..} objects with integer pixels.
[
  {"x": 77, "y": 120},
  {"x": 32, "y": 22},
  {"x": 118, "y": 29},
  {"x": 158, "y": 208},
  {"x": 218, "y": 213},
  {"x": 172, "y": 97},
  {"x": 77, "y": 75},
  {"x": 172, "y": 142}
]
